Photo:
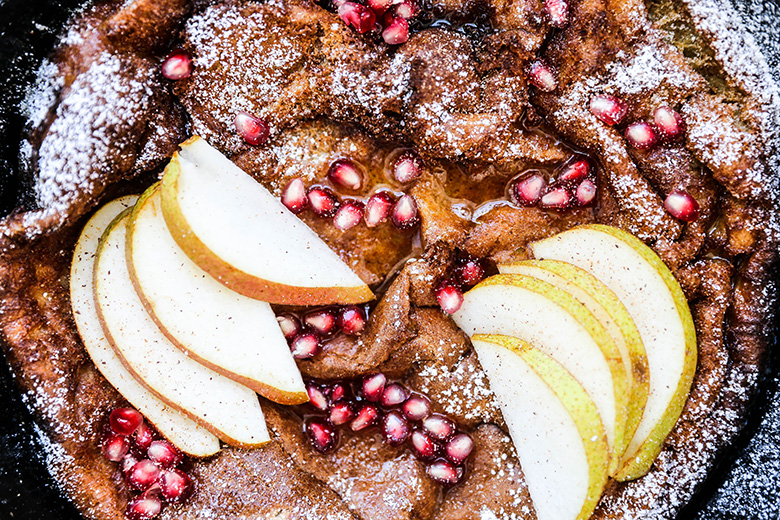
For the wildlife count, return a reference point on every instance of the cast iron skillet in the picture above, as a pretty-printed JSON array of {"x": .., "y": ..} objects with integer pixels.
[{"x": 746, "y": 484}]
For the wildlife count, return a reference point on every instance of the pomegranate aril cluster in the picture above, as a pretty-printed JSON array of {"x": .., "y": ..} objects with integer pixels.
[
  {"x": 306, "y": 333},
  {"x": 574, "y": 186},
  {"x": 466, "y": 273},
  {"x": 384, "y": 19},
  {"x": 148, "y": 463},
  {"x": 403, "y": 417}
]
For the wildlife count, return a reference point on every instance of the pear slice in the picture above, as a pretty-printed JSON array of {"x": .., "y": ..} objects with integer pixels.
[
  {"x": 184, "y": 433},
  {"x": 229, "y": 410},
  {"x": 660, "y": 310},
  {"x": 557, "y": 324},
  {"x": 556, "y": 429},
  {"x": 236, "y": 336},
  {"x": 611, "y": 313},
  {"x": 238, "y": 232}
]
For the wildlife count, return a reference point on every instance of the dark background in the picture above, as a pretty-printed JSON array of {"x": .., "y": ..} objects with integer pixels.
[{"x": 745, "y": 485}]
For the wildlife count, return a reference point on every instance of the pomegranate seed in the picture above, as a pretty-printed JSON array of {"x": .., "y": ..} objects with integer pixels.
[
  {"x": 542, "y": 77},
  {"x": 178, "y": 65},
  {"x": 374, "y": 387},
  {"x": 323, "y": 202},
  {"x": 558, "y": 198},
  {"x": 682, "y": 206},
  {"x": 609, "y": 109},
  {"x": 317, "y": 397},
  {"x": 323, "y": 436},
  {"x": 143, "y": 475},
  {"x": 305, "y": 345},
  {"x": 323, "y": 321},
  {"x": 346, "y": 174},
  {"x": 164, "y": 453},
  {"x": 406, "y": 9},
  {"x": 449, "y": 296},
  {"x": 125, "y": 421},
  {"x": 358, "y": 16},
  {"x": 417, "y": 407},
  {"x": 575, "y": 172},
  {"x": 405, "y": 214},
  {"x": 669, "y": 123},
  {"x": 445, "y": 473},
  {"x": 115, "y": 447},
  {"x": 393, "y": 395},
  {"x": 143, "y": 507},
  {"x": 558, "y": 11},
  {"x": 175, "y": 485},
  {"x": 423, "y": 446},
  {"x": 459, "y": 448},
  {"x": 527, "y": 191},
  {"x": 144, "y": 436},
  {"x": 352, "y": 320},
  {"x": 338, "y": 392},
  {"x": 367, "y": 416},
  {"x": 254, "y": 130},
  {"x": 379, "y": 6},
  {"x": 586, "y": 192},
  {"x": 128, "y": 462},
  {"x": 378, "y": 208},
  {"x": 294, "y": 196},
  {"x": 407, "y": 167},
  {"x": 349, "y": 215},
  {"x": 342, "y": 412},
  {"x": 468, "y": 273},
  {"x": 641, "y": 135},
  {"x": 439, "y": 427},
  {"x": 397, "y": 32},
  {"x": 395, "y": 428},
  {"x": 290, "y": 325}
]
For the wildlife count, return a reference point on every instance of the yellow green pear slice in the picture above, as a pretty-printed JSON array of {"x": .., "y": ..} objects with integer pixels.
[
  {"x": 238, "y": 232},
  {"x": 232, "y": 334},
  {"x": 229, "y": 410},
  {"x": 611, "y": 313},
  {"x": 183, "y": 432},
  {"x": 556, "y": 429},
  {"x": 557, "y": 324},
  {"x": 660, "y": 311}
]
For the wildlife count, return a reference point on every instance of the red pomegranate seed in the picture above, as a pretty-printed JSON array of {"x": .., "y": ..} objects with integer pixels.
[
  {"x": 323, "y": 436},
  {"x": 527, "y": 191},
  {"x": 358, "y": 16},
  {"x": 178, "y": 65},
  {"x": 641, "y": 135},
  {"x": 374, "y": 387},
  {"x": 254, "y": 130},
  {"x": 164, "y": 453},
  {"x": 352, "y": 320},
  {"x": 445, "y": 473},
  {"x": 407, "y": 167},
  {"x": 439, "y": 427},
  {"x": 378, "y": 208},
  {"x": 346, "y": 174},
  {"x": 367, "y": 415},
  {"x": 541, "y": 76},
  {"x": 349, "y": 215},
  {"x": 417, "y": 407},
  {"x": 558, "y": 11},
  {"x": 125, "y": 421},
  {"x": 342, "y": 412},
  {"x": 115, "y": 447},
  {"x": 143, "y": 507},
  {"x": 557, "y": 198},
  {"x": 397, "y": 32},
  {"x": 682, "y": 206},
  {"x": 393, "y": 395},
  {"x": 175, "y": 485},
  {"x": 459, "y": 448},
  {"x": 609, "y": 109},
  {"x": 305, "y": 345},
  {"x": 585, "y": 193},
  {"x": 669, "y": 123},
  {"x": 406, "y": 9},
  {"x": 468, "y": 273},
  {"x": 449, "y": 296},
  {"x": 338, "y": 391},
  {"x": 395, "y": 428},
  {"x": 423, "y": 446},
  {"x": 317, "y": 397},
  {"x": 144, "y": 436},
  {"x": 323, "y": 202},
  {"x": 324, "y": 321},
  {"x": 405, "y": 214},
  {"x": 143, "y": 475},
  {"x": 380, "y": 6},
  {"x": 290, "y": 325},
  {"x": 128, "y": 462},
  {"x": 294, "y": 196},
  {"x": 575, "y": 172}
]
